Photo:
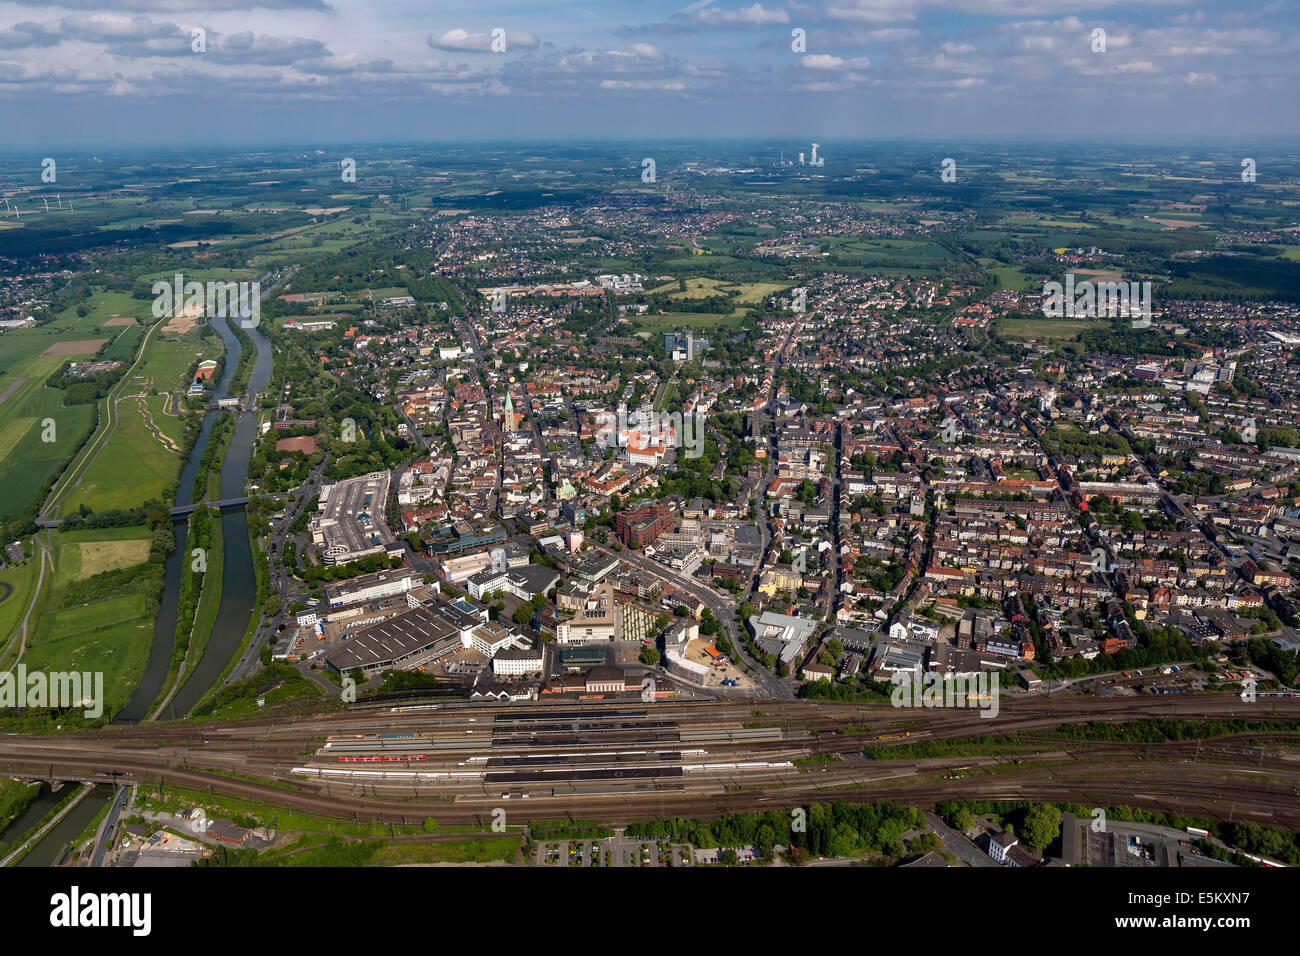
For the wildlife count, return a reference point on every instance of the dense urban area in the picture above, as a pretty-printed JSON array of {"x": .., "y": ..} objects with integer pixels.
[{"x": 768, "y": 504}]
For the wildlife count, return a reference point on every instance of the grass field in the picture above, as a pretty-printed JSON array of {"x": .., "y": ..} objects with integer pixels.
[
  {"x": 111, "y": 629},
  {"x": 203, "y": 275},
  {"x": 919, "y": 250},
  {"x": 752, "y": 293},
  {"x": 169, "y": 360},
  {"x": 745, "y": 293},
  {"x": 681, "y": 320},
  {"x": 12, "y": 608},
  {"x": 124, "y": 345},
  {"x": 1044, "y": 329},
  {"x": 111, "y": 636},
  {"x": 26, "y": 459},
  {"x": 83, "y": 553},
  {"x": 170, "y": 425},
  {"x": 130, "y": 469},
  {"x": 92, "y": 617},
  {"x": 1010, "y": 277},
  {"x": 133, "y": 466},
  {"x": 698, "y": 262}
]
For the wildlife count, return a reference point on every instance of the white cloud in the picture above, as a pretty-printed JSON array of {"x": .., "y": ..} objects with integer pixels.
[
  {"x": 753, "y": 16},
  {"x": 462, "y": 41}
]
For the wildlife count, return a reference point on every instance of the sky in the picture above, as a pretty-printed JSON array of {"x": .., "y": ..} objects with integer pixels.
[{"x": 93, "y": 73}]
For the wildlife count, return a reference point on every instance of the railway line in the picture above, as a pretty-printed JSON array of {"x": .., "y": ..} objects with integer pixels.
[{"x": 632, "y": 761}]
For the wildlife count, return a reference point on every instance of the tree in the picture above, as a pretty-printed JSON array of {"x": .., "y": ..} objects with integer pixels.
[
  {"x": 963, "y": 819},
  {"x": 523, "y": 614},
  {"x": 1041, "y": 826},
  {"x": 649, "y": 656}
]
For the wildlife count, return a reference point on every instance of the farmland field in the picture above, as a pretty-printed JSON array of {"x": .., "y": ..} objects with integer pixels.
[
  {"x": 83, "y": 553},
  {"x": 124, "y": 345},
  {"x": 26, "y": 459}
]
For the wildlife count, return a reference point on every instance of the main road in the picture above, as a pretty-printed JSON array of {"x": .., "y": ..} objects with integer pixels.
[{"x": 722, "y": 610}]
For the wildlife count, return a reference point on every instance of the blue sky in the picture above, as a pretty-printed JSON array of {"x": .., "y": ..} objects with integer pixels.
[{"x": 125, "y": 72}]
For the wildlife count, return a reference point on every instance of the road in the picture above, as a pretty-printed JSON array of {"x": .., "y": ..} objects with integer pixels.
[
  {"x": 722, "y": 609},
  {"x": 44, "y": 554},
  {"x": 90, "y": 451},
  {"x": 955, "y": 842},
  {"x": 105, "y": 836}
]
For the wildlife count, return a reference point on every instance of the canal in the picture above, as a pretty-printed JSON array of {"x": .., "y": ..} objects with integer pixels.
[
  {"x": 239, "y": 581},
  {"x": 51, "y": 848}
]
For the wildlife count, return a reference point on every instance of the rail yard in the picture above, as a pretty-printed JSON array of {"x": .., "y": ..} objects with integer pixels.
[{"x": 634, "y": 761}]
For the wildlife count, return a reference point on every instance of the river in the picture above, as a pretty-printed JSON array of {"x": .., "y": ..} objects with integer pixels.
[{"x": 238, "y": 581}]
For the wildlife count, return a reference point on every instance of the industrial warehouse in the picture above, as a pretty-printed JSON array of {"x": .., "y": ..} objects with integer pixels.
[{"x": 409, "y": 640}]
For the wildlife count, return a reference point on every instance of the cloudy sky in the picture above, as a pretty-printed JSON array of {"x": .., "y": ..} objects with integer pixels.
[{"x": 87, "y": 73}]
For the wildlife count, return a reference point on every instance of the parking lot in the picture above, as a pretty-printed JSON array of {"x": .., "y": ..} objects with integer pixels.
[{"x": 618, "y": 851}]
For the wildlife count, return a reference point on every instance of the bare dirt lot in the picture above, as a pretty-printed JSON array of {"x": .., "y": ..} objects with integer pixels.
[
  {"x": 79, "y": 347},
  {"x": 180, "y": 324},
  {"x": 117, "y": 320}
]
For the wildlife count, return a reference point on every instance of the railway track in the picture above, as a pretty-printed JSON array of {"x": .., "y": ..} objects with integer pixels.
[{"x": 623, "y": 762}]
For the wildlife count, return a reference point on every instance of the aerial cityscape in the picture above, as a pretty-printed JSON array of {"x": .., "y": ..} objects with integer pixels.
[{"x": 776, "y": 493}]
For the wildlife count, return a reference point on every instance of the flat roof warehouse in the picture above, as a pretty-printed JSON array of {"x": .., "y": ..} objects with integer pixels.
[{"x": 404, "y": 641}]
